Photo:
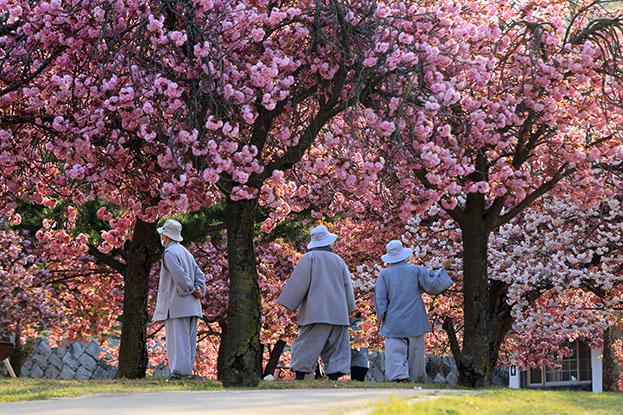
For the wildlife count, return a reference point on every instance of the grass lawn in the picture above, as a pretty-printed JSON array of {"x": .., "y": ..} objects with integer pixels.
[
  {"x": 509, "y": 402},
  {"x": 25, "y": 389}
]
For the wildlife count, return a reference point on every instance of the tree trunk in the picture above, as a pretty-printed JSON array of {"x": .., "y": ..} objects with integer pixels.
[
  {"x": 241, "y": 363},
  {"x": 20, "y": 352},
  {"x": 475, "y": 366},
  {"x": 219, "y": 358},
  {"x": 133, "y": 347},
  {"x": 500, "y": 319},
  {"x": 612, "y": 366},
  {"x": 273, "y": 360}
]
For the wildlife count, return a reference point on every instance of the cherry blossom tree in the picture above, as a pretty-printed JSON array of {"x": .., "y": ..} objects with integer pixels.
[
  {"x": 562, "y": 266},
  {"x": 524, "y": 97},
  {"x": 519, "y": 98},
  {"x": 474, "y": 109},
  {"x": 219, "y": 97}
]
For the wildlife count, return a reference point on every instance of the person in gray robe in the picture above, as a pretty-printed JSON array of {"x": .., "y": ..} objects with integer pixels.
[
  {"x": 400, "y": 310},
  {"x": 181, "y": 287},
  {"x": 321, "y": 289},
  {"x": 358, "y": 356}
]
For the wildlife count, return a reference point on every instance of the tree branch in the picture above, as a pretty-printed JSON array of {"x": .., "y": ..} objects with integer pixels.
[
  {"x": 448, "y": 326},
  {"x": 527, "y": 201},
  {"x": 108, "y": 260}
]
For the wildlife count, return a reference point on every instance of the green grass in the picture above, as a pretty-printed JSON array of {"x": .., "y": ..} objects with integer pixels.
[
  {"x": 12, "y": 390},
  {"x": 24, "y": 389},
  {"x": 328, "y": 384},
  {"x": 509, "y": 402},
  {"x": 483, "y": 402}
]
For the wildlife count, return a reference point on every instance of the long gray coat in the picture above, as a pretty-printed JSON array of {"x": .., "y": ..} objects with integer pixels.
[
  {"x": 179, "y": 277},
  {"x": 321, "y": 288},
  {"x": 397, "y": 298}
]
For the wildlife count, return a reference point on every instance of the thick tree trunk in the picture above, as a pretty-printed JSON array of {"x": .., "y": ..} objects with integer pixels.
[
  {"x": 133, "y": 347},
  {"x": 612, "y": 366},
  {"x": 475, "y": 365},
  {"x": 241, "y": 363}
]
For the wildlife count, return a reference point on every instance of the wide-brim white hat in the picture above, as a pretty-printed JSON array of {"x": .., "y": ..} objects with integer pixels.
[
  {"x": 172, "y": 229},
  {"x": 396, "y": 252},
  {"x": 320, "y": 236}
]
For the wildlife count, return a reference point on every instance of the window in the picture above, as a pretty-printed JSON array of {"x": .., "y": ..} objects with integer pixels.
[
  {"x": 535, "y": 376},
  {"x": 568, "y": 372},
  {"x": 585, "y": 361},
  {"x": 573, "y": 369}
]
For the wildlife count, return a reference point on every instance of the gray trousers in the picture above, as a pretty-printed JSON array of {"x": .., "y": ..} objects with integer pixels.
[
  {"x": 181, "y": 344},
  {"x": 405, "y": 358},
  {"x": 328, "y": 341}
]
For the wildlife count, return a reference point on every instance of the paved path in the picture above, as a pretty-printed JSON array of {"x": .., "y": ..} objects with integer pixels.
[{"x": 256, "y": 402}]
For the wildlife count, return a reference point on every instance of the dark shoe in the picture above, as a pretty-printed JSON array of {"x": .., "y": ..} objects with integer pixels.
[
  {"x": 401, "y": 380},
  {"x": 300, "y": 375},
  {"x": 177, "y": 376},
  {"x": 358, "y": 373},
  {"x": 335, "y": 376}
]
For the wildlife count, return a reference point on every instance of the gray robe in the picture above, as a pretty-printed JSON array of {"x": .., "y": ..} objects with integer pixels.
[
  {"x": 358, "y": 357},
  {"x": 179, "y": 277},
  {"x": 397, "y": 298},
  {"x": 405, "y": 358},
  {"x": 321, "y": 288}
]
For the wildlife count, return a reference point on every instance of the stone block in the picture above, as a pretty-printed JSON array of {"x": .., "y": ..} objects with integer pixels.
[
  {"x": 69, "y": 361},
  {"x": 101, "y": 373},
  {"x": 52, "y": 372},
  {"x": 27, "y": 365},
  {"x": 56, "y": 361},
  {"x": 67, "y": 373},
  {"x": 449, "y": 361},
  {"x": 42, "y": 348},
  {"x": 161, "y": 371},
  {"x": 439, "y": 378},
  {"x": 434, "y": 366},
  {"x": 452, "y": 379},
  {"x": 83, "y": 374},
  {"x": 61, "y": 350},
  {"x": 76, "y": 349},
  {"x": 93, "y": 349},
  {"x": 87, "y": 362},
  {"x": 40, "y": 359},
  {"x": 36, "y": 372},
  {"x": 376, "y": 371}
]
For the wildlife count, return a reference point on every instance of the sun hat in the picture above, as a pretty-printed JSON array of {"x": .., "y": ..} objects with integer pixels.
[
  {"x": 320, "y": 236},
  {"x": 396, "y": 252},
  {"x": 172, "y": 229}
]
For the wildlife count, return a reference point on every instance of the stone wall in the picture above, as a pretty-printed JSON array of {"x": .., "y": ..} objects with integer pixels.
[
  {"x": 78, "y": 360},
  {"x": 87, "y": 360},
  {"x": 439, "y": 370}
]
